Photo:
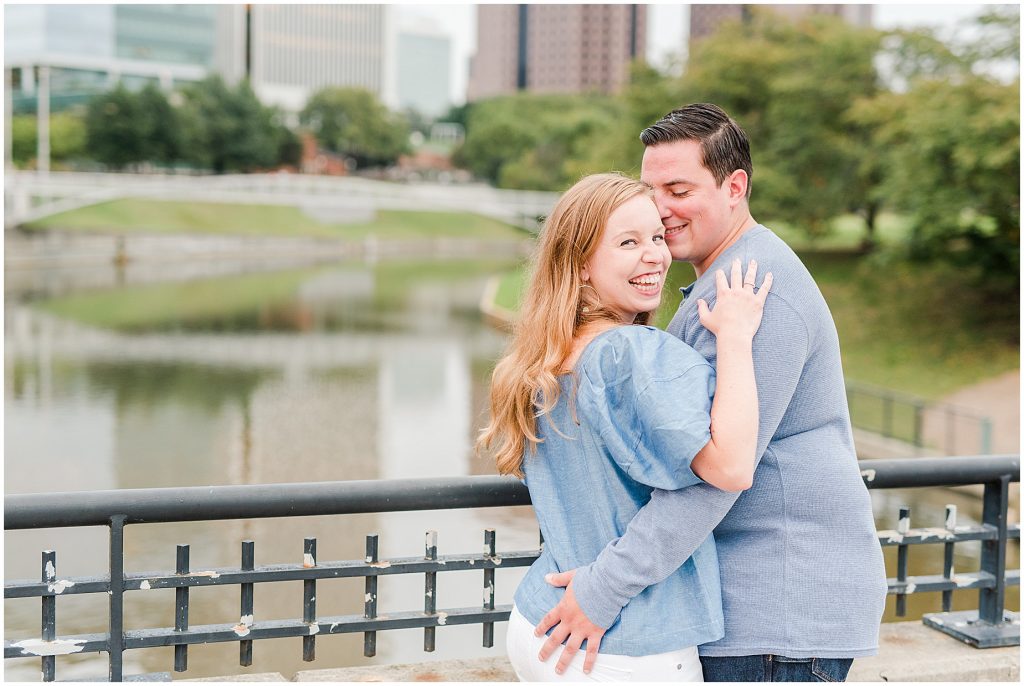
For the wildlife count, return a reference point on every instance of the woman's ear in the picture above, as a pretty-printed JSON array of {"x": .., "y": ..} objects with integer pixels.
[{"x": 585, "y": 274}]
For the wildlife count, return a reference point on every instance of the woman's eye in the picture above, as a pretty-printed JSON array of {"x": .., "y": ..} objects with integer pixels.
[
  {"x": 628, "y": 241},
  {"x": 657, "y": 237}
]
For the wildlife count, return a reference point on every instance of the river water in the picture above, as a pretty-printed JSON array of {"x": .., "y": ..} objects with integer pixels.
[{"x": 342, "y": 371}]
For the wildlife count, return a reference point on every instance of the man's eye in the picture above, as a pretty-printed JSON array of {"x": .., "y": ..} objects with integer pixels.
[{"x": 680, "y": 194}]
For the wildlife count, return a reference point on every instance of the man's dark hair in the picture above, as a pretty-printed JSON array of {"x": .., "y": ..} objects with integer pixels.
[{"x": 723, "y": 144}]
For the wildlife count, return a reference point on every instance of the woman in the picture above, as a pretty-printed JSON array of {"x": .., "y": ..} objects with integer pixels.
[{"x": 595, "y": 412}]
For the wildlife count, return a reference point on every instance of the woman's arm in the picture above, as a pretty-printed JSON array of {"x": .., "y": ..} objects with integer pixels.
[{"x": 727, "y": 461}]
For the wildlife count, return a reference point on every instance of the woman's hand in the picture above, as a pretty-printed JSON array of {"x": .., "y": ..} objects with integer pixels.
[{"x": 738, "y": 308}]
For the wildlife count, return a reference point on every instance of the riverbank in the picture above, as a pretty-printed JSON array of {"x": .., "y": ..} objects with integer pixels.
[
  {"x": 64, "y": 249},
  {"x": 145, "y": 216}
]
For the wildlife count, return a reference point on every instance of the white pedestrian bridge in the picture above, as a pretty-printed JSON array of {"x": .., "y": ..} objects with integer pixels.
[{"x": 31, "y": 196}]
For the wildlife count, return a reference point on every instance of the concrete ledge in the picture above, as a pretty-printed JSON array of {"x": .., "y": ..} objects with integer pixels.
[
  {"x": 908, "y": 651},
  {"x": 272, "y": 677},
  {"x": 479, "y": 669}
]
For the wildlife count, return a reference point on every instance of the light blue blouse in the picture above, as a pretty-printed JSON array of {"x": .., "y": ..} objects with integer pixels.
[{"x": 643, "y": 401}]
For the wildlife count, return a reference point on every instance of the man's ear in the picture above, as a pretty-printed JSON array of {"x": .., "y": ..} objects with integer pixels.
[{"x": 737, "y": 186}]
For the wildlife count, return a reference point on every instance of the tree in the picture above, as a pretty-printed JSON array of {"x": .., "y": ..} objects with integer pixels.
[
  {"x": 951, "y": 154},
  {"x": 352, "y": 122},
  {"x": 229, "y": 129},
  {"x": 67, "y": 137},
  {"x": 160, "y": 126},
  {"x": 531, "y": 141},
  {"x": 790, "y": 84},
  {"x": 116, "y": 128}
]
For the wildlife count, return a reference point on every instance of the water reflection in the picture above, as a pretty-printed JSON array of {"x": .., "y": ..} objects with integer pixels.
[
  {"x": 341, "y": 372},
  {"x": 330, "y": 372}
]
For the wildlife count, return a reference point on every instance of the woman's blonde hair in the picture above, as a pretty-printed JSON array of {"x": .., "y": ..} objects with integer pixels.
[{"x": 524, "y": 385}]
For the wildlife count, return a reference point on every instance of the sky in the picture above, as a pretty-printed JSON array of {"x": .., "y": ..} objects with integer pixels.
[{"x": 668, "y": 24}]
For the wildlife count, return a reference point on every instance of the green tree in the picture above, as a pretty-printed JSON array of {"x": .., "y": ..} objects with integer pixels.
[
  {"x": 790, "y": 84},
  {"x": 67, "y": 137},
  {"x": 950, "y": 149},
  {"x": 116, "y": 128},
  {"x": 352, "y": 122},
  {"x": 160, "y": 126},
  {"x": 228, "y": 129},
  {"x": 531, "y": 141}
]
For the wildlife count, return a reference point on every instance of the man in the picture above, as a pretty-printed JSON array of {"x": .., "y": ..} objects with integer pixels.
[{"x": 803, "y": 579}]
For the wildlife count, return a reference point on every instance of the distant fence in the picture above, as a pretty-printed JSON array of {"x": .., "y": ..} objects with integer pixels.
[{"x": 942, "y": 427}]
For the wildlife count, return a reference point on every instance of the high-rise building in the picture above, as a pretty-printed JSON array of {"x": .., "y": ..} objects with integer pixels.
[
  {"x": 82, "y": 50},
  {"x": 423, "y": 67},
  {"x": 290, "y": 51},
  {"x": 555, "y": 48},
  {"x": 705, "y": 19}
]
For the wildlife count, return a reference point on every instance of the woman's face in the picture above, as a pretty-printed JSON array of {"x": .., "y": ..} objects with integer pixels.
[{"x": 629, "y": 265}]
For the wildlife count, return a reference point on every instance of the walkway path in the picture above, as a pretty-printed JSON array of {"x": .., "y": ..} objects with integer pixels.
[{"x": 997, "y": 399}]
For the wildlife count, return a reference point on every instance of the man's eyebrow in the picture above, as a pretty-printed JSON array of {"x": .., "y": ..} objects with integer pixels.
[{"x": 676, "y": 182}]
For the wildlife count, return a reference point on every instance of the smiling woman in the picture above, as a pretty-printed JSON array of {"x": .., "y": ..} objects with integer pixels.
[{"x": 594, "y": 412}]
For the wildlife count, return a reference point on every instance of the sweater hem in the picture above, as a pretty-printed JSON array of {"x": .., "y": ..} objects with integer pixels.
[{"x": 742, "y": 651}]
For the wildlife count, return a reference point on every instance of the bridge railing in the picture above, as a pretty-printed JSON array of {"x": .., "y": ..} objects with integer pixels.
[{"x": 989, "y": 625}]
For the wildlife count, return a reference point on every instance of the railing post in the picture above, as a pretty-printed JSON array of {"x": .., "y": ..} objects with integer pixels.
[
  {"x": 181, "y": 596},
  {"x": 986, "y": 436},
  {"x": 116, "y": 620},
  {"x": 919, "y": 425},
  {"x": 430, "y": 591},
  {"x": 947, "y": 563},
  {"x": 49, "y": 613},
  {"x": 370, "y": 604},
  {"x": 993, "y": 552},
  {"x": 489, "y": 551},
  {"x": 309, "y": 600},
  {"x": 991, "y": 625},
  {"x": 246, "y": 619},
  {"x": 902, "y": 528}
]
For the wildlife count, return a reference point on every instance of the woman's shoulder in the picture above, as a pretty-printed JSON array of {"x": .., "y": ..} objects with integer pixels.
[{"x": 624, "y": 350}]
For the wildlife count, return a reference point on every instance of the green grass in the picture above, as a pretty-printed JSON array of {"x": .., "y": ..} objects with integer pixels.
[
  {"x": 252, "y": 301},
  {"x": 136, "y": 215},
  {"x": 511, "y": 288},
  {"x": 172, "y": 305},
  {"x": 900, "y": 327},
  {"x": 845, "y": 232}
]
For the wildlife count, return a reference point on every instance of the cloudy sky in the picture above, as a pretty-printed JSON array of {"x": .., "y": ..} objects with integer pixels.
[{"x": 668, "y": 24}]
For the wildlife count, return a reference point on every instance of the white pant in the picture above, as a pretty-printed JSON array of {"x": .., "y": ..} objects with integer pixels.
[{"x": 523, "y": 648}]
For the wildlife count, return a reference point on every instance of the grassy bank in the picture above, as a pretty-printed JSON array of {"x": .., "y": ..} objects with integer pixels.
[
  {"x": 900, "y": 327},
  {"x": 135, "y": 215},
  {"x": 261, "y": 301}
]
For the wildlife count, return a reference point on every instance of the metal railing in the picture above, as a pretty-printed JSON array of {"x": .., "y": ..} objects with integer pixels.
[
  {"x": 990, "y": 625},
  {"x": 903, "y": 417}
]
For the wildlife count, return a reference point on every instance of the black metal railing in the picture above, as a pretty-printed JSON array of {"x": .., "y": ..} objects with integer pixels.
[
  {"x": 990, "y": 625},
  {"x": 902, "y": 417}
]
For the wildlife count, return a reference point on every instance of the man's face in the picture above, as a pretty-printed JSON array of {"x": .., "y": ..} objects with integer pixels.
[{"x": 695, "y": 210}]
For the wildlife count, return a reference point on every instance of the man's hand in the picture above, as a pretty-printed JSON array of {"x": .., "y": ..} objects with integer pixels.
[{"x": 572, "y": 623}]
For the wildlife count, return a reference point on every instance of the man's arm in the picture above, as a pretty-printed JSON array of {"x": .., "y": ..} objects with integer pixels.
[{"x": 666, "y": 530}]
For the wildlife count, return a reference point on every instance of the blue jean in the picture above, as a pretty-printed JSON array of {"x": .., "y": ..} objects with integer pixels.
[{"x": 775, "y": 668}]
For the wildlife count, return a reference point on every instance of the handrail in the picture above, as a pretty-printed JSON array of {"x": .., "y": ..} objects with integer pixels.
[
  {"x": 202, "y": 503},
  {"x": 989, "y": 625}
]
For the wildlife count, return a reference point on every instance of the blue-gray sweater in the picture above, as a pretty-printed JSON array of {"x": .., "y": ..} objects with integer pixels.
[{"x": 801, "y": 568}]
